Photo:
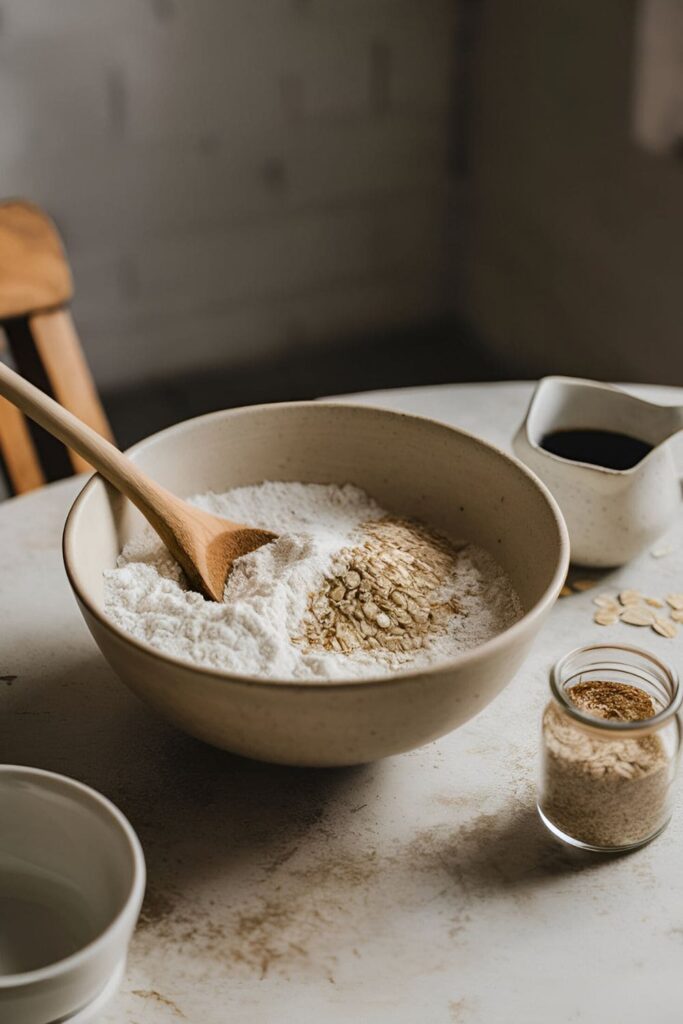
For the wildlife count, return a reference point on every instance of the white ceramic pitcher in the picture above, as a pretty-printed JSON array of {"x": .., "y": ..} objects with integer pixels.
[{"x": 611, "y": 514}]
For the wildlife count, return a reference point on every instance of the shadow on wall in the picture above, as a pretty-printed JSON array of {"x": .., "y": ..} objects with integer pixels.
[
  {"x": 575, "y": 262},
  {"x": 433, "y": 354}
]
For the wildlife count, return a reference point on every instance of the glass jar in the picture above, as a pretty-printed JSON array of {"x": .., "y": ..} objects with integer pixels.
[{"x": 606, "y": 770}]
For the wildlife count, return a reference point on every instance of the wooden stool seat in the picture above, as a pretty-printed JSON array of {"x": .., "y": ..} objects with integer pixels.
[{"x": 35, "y": 287}]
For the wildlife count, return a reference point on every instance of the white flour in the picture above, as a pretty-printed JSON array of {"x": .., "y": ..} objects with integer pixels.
[{"x": 267, "y": 592}]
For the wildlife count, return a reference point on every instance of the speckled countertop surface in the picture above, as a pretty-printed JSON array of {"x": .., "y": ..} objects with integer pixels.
[{"x": 422, "y": 888}]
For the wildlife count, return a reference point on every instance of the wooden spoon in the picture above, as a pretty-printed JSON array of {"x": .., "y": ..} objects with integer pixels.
[{"x": 205, "y": 546}]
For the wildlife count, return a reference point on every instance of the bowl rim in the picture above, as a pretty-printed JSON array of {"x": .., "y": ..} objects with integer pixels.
[
  {"x": 518, "y": 628},
  {"x": 131, "y": 904}
]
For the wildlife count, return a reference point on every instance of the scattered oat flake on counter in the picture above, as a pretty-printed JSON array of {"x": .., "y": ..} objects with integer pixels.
[
  {"x": 635, "y": 616},
  {"x": 566, "y": 591},
  {"x": 663, "y": 551},
  {"x": 606, "y": 617},
  {"x": 581, "y": 585},
  {"x": 636, "y": 609},
  {"x": 606, "y": 601},
  {"x": 665, "y": 628}
]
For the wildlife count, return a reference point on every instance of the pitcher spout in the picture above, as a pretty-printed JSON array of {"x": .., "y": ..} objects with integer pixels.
[
  {"x": 570, "y": 403},
  {"x": 602, "y": 452}
]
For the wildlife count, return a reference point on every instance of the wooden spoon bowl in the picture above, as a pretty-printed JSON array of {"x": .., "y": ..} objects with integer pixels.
[{"x": 205, "y": 546}]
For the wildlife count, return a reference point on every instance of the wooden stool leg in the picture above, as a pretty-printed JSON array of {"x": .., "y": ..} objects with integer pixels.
[
  {"x": 18, "y": 450},
  {"x": 52, "y": 455},
  {"x": 71, "y": 383},
  {"x": 35, "y": 287}
]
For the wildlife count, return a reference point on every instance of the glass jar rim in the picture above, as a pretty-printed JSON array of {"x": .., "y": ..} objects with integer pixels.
[{"x": 607, "y": 724}]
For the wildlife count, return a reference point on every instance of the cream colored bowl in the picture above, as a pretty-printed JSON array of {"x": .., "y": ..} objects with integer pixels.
[{"x": 411, "y": 465}]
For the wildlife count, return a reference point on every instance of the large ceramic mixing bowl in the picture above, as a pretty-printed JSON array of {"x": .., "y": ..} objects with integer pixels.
[{"x": 413, "y": 466}]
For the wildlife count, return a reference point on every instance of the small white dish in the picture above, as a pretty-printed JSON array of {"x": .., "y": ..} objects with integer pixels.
[
  {"x": 91, "y": 1013},
  {"x": 72, "y": 878}
]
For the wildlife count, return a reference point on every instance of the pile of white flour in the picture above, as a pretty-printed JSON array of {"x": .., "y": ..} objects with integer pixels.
[{"x": 266, "y": 594}]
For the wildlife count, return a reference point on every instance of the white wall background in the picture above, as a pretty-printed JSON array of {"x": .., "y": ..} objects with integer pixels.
[{"x": 233, "y": 177}]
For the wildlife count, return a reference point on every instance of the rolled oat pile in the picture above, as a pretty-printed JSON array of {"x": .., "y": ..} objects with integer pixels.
[{"x": 386, "y": 594}]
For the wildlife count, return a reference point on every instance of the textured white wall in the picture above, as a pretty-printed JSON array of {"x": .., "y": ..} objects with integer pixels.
[{"x": 233, "y": 177}]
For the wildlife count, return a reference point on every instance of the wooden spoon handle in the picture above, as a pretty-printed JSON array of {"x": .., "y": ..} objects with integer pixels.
[{"x": 107, "y": 459}]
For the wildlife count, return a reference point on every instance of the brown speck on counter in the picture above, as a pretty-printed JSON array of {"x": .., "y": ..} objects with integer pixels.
[
  {"x": 458, "y": 1010},
  {"x": 152, "y": 994},
  {"x": 308, "y": 895},
  {"x": 271, "y": 936},
  {"x": 156, "y": 907},
  {"x": 458, "y": 800}
]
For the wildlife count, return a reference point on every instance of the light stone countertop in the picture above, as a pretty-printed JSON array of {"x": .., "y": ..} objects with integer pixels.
[{"x": 421, "y": 888}]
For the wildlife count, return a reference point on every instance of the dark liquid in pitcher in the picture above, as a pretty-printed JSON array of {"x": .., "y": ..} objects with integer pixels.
[{"x": 597, "y": 447}]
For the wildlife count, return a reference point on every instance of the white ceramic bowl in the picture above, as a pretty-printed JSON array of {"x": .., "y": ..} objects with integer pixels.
[
  {"x": 72, "y": 878},
  {"x": 411, "y": 465}
]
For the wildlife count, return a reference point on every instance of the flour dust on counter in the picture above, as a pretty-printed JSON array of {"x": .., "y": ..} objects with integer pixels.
[{"x": 347, "y": 590}]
